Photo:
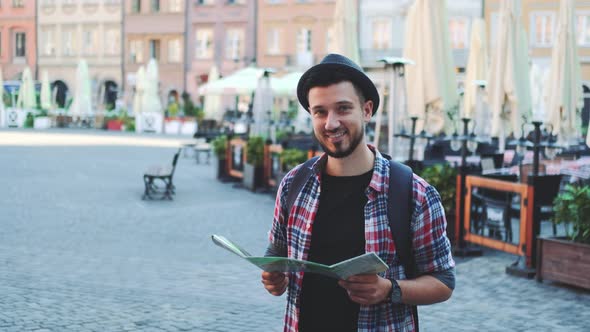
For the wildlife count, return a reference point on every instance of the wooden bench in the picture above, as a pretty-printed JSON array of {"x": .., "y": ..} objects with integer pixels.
[{"x": 164, "y": 173}]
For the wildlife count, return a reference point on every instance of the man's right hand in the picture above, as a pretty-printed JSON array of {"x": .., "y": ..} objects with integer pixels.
[{"x": 275, "y": 282}]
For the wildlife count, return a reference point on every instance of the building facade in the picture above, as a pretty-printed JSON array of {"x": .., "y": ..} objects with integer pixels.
[
  {"x": 294, "y": 34},
  {"x": 221, "y": 33},
  {"x": 155, "y": 29},
  {"x": 17, "y": 38},
  {"x": 70, "y": 31}
]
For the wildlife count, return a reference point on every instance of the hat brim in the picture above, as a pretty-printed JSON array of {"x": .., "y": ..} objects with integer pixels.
[{"x": 357, "y": 77}]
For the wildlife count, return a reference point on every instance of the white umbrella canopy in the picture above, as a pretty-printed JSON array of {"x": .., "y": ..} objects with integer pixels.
[
  {"x": 139, "y": 91},
  {"x": 151, "y": 96},
  {"x": 432, "y": 81},
  {"x": 477, "y": 67},
  {"x": 262, "y": 105},
  {"x": 45, "y": 91},
  {"x": 82, "y": 103},
  {"x": 345, "y": 29},
  {"x": 242, "y": 82},
  {"x": 212, "y": 104},
  {"x": 509, "y": 95},
  {"x": 286, "y": 86},
  {"x": 565, "y": 93}
]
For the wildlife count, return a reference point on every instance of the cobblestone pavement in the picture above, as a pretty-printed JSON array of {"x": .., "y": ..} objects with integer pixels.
[{"x": 80, "y": 251}]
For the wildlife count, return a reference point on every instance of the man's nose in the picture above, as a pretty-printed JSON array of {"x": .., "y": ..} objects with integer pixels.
[{"x": 332, "y": 121}]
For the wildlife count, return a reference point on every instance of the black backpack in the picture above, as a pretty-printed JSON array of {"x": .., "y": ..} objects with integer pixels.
[{"x": 400, "y": 177}]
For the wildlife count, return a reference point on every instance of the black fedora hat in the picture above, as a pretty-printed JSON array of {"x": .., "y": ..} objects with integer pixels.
[{"x": 337, "y": 62}]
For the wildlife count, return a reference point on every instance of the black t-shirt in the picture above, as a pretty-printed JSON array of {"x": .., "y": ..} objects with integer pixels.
[{"x": 338, "y": 233}]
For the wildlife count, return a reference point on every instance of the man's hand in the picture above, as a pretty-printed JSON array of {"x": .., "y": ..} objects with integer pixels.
[
  {"x": 275, "y": 282},
  {"x": 366, "y": 288}
]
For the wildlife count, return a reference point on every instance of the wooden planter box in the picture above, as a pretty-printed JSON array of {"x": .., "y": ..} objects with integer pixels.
[
  {"x": 253, "y": 177},
  {"x": 563, "y": 261}
]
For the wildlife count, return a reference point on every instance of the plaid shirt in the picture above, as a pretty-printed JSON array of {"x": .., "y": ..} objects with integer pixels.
[{"x": 432, "y": 248}]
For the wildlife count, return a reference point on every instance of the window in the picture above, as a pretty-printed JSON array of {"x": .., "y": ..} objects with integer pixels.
[
  {"x": 20, "y": 44},
  {"x": 47, "y": 3},
  {"x": 273, "y": 45},
  {"x": 204, "y": 2},
  {"x": 136, "y": 51},
  {"x": 303, "y": 40},
  {"x": 175, "y": 6},
  {"x": 47, "y": 41},
  {"x": 136, "y": 6},
  {"x": 381, "y": 34},
  {"x": 154, "y": 49},
  {"x": 155, "y": 6},
  {"x": 459, "y": 32},
  {"x": 18, "y": 3},
  {"x": 542, "y": 25},
  {"x": 112, "y": 41},
  {"x": 583, "y": 30},
  {"x": 203, "y": 44},
  {"x": 174, "y": 50},
  {"x": 234, "y": 44},
  {"x": 89, "y": 41},
  {"x": 235, "y": 2},
  {"x": 68, "y": 40}
]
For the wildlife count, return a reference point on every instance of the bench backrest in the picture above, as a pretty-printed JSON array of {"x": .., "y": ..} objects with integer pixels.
[{"x": 174, "y": 162}]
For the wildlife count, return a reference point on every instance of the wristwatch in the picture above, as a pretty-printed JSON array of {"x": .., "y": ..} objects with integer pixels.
[{"x": 395, "y": 294}]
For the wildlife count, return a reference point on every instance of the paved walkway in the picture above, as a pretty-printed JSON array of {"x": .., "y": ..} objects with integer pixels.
[{"x": 80, "y": 251}]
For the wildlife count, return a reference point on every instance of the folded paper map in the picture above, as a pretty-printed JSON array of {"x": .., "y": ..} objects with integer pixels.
[{"x": 368, "y": 263}]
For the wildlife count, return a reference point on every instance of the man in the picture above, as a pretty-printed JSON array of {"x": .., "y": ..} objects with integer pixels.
[{"x": 341, "y": 213}]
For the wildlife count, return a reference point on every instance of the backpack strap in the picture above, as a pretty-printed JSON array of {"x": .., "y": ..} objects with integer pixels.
[
  {"x": 299, "y": 180},
  {"x": 400, "y": 208}
]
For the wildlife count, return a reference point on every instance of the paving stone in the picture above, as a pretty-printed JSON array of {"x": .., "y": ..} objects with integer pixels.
[{"x": 80, "y": 251}]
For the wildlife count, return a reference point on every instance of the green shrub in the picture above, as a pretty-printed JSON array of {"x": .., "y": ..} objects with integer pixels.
[
  {"x": 443, "y": 177},
  {"x": 219, "y": 145},
  {"x": 573, "y": 206},
  {"x": 255, "y": 151},
  {"x": 292, "y": 157}
]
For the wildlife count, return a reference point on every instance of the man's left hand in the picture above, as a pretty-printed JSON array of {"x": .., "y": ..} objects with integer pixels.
[{"x": 366, "y": 288}]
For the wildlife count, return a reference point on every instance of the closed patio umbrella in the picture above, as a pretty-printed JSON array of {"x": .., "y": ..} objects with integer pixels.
[
  {"x": 508, "y": 94},
  {"x": 139, "y": 91},
  {"x": 345, "y": 29},
  {"x": 565, "y": 93},
  {"x": 262, "y": 106},
  {"x": 477, "y": 68},
  {"x": 82, "y": 105},
  {"x": 432, "y": 81},
  {"x": 45, "y": 91},
  {"x": 151, "y": 95},
  {"x": 212, "y": 103},
  {"x": 26, "y": 93}
]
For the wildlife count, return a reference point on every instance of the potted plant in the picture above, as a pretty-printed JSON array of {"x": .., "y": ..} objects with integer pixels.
[
  {"x": 42, "y": 120},
  {"x": 254, "y": 167},
  {"x": 443, "y": 177},
  {"x": 567, "y": 259},
  {"x": 219, "y": 145}
]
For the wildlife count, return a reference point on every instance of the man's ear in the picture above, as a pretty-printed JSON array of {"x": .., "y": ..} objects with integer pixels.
[{"x": 368, "y": 110}]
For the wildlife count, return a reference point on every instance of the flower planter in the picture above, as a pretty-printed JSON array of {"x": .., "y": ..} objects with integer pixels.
[
  {"x": 172, "y": 126},
  {"x": 42, "y": 122},
  {"x": 564, "y": 261},
  {"x": 114, "y": 125},
  {"x": 253, "y": 177}
]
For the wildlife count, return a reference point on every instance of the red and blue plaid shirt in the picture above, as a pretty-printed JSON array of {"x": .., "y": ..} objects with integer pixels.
[{"x": 431, "y": 246}]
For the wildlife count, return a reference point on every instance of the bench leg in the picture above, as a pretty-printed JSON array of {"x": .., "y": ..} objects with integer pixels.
[
  {"x": 169, "y": 188},
  {"x": 148, "y": 182}
]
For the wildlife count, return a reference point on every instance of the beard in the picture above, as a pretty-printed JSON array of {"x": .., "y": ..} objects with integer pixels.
[{"x": 339, "y": 151}]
